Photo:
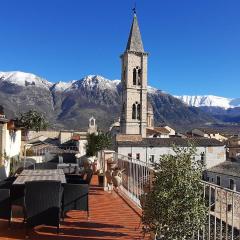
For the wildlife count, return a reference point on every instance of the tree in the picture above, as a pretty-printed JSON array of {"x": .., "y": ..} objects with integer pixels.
[
  {"x": 33, "y": 120},
  {"x": 174, "y": 207},
  {"x": 97, "y": 142}
]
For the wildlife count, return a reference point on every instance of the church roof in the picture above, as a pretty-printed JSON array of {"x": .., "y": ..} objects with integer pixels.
[
  {"x": 169, "y": 142},
  {"x": 135, "y": 40}
]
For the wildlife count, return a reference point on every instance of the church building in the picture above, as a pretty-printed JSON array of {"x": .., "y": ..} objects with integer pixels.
[{"x": 138, "y": 137}]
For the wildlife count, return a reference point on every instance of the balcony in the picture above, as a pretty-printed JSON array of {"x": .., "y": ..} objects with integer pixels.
[
  {"x": 116, "y": 213},
  {"x": 111, "y": 217}
]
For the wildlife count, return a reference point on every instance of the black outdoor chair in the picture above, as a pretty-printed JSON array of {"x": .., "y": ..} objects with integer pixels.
[
  {"x": 17, "y": 195},
  {"x": 5, "y": 182},
  {"x": 75, "y": 197},
  {"x": 81, "y": 179},
  {"x": 43, "y": 203},
  {"x": 5, "y": 205}
]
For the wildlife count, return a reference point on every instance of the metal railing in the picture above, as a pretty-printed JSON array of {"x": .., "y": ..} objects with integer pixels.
[
  {"x": 223, "y": 215},
  {"x": 135, "y": 177},
  {"x": 53, "y": 150}
]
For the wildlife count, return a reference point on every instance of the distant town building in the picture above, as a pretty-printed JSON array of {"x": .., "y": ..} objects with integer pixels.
[
  {"x": 225, "y": 174},
  {"x": 233, "y": 146},
  {"x": 208, "y": 133},
  {"x": 158, "y": 132}
]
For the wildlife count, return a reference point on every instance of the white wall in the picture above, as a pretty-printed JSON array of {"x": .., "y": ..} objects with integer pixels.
[
  {"x": 12, "y": 146},
  {"x": 213, "y": 155}
]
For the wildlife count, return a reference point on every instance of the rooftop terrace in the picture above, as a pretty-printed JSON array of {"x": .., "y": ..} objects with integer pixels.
[{"x": 110, "y": 218}]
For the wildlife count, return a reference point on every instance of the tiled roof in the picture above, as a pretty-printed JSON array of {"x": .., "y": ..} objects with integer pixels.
[
  {"x": 135, "y": 41},
  {"x": 162, "y": 130},
  {"x": 227, "y": 168},
  {"x": 158, "y": 130},
  {"x": 169, "y": 142}
]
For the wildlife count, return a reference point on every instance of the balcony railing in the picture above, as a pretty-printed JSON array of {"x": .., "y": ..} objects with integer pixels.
[{"x": 223, "y": 216}]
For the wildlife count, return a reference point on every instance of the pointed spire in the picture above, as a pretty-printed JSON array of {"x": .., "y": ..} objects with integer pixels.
[{"x": 135, "y": 40}]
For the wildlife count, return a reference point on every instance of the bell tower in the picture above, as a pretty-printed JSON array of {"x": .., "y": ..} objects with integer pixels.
[{"x": 134, "y": 84}]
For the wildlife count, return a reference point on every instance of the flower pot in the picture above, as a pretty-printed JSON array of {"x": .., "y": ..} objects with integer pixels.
[{"x": 101, "y": 180}]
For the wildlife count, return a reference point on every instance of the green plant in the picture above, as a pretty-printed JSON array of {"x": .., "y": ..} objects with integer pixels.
[
  {"x": 97, "y": 142},
  {"x": 174, "y": 207},
  {"x": 33, "y": 120}
]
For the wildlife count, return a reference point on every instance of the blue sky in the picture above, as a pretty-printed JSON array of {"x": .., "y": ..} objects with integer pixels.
[{"x": 194, "y": 45}]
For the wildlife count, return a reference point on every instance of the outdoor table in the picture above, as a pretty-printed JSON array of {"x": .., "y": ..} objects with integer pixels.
[
  {"x": 43, "y": 172},
  {"x": 40, "y": 175}
]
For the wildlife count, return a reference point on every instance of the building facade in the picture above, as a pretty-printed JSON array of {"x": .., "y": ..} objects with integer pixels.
[
  {"x": 226, "y": 174},
  {"x": 10, "y": 142},
  {"x": 210, "y": 151}
]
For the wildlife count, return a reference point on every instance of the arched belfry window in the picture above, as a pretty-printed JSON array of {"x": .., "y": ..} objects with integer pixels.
[
  {"x": 138, "y": 111},
  {"x": 139, "y": 77},
  {"x": 134, "y": 111},
  {"x": 134, "y": 76}
]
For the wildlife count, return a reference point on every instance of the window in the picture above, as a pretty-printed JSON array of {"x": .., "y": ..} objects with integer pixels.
[
  {"x": 231, "y": 184},
  {"x": 151, "y": 158},
  {"x": 138, "y": 111},
  {"x": 134, "y": 76},
  {"x": 218, "y": 180},
  {"x": 138, "y": 156},
  {"x": 129, "y": 156},
  {"x": 134, "y": 111},
  {"x": 203, "y": 158},
  {"x": 139, "y": 76}
]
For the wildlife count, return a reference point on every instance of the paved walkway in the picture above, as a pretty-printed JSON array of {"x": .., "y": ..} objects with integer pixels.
[{"x": 110, "y": 218}]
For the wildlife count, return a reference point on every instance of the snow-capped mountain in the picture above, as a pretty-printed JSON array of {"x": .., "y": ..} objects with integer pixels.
[
  {"x": 24, "y": 79},
  {"x": 70, "y": 104},
  {"x": 210, "y": 101}
]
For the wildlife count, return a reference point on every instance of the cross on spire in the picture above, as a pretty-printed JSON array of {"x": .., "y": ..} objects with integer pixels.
[
  {"x": 135, "y": 40},
  {"x": 135, "y": 8}
]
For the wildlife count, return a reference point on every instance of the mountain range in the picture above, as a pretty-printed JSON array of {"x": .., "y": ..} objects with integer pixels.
[
  {"x": 223, "y": 109},
  {"x": 69, "y": 105},
  {"x": 210, "y": 101}
]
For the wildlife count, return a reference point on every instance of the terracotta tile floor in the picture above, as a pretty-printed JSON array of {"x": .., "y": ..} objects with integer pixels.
[{"x": 110, "y": 218}]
